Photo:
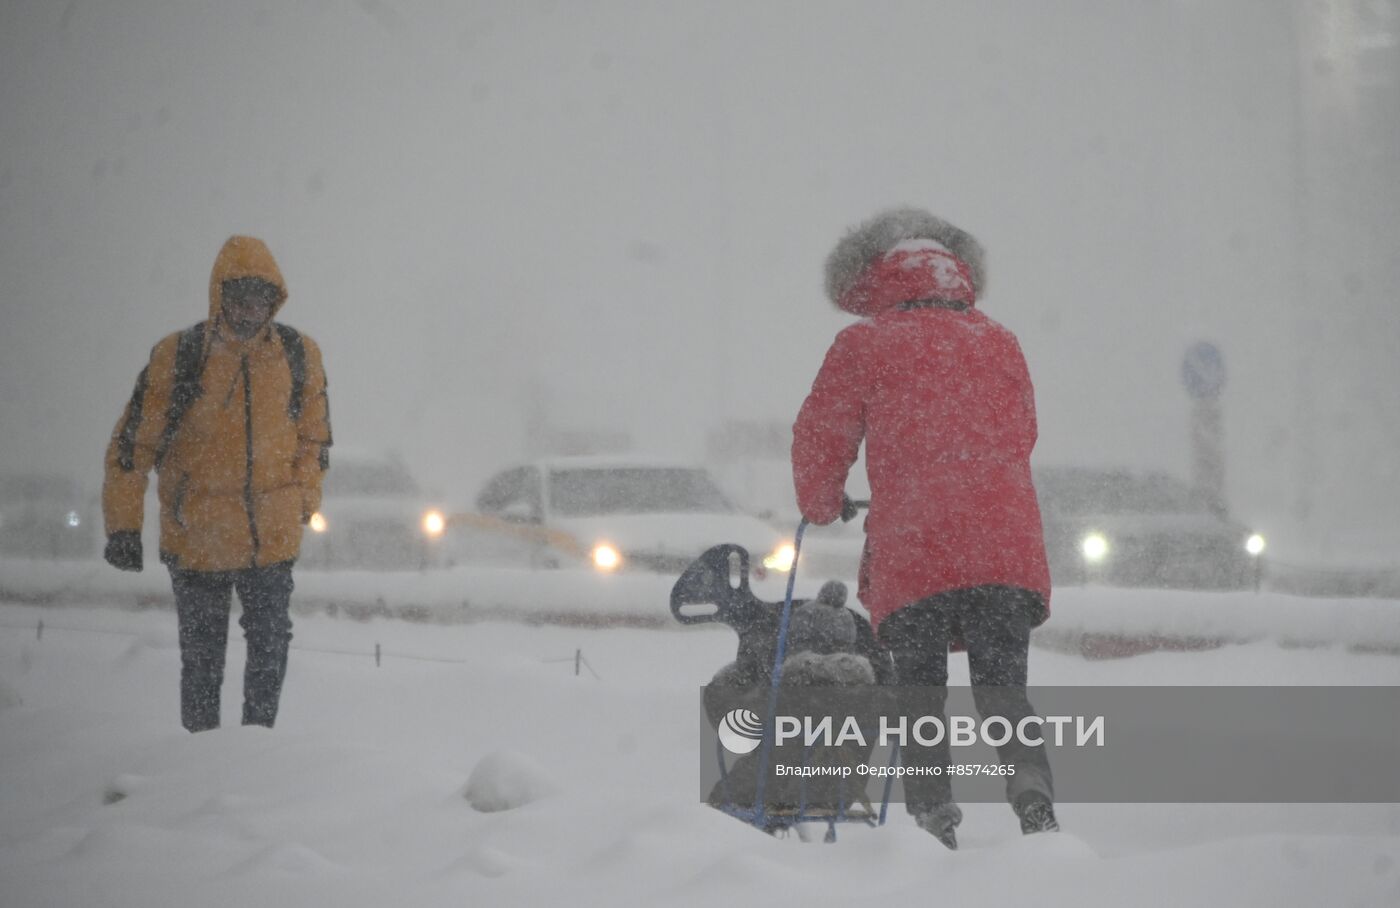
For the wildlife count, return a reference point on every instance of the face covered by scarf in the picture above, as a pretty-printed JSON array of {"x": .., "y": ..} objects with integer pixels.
[{"x": 247, "y": 305}]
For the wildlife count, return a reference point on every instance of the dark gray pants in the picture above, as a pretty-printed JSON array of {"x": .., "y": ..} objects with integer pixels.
[
  {"x": 994, "y": 622},
  {"x": 202, "y": 603}
]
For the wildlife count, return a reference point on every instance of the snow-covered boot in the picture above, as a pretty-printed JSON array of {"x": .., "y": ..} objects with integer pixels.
[
  {"x": 1036, "y": 813},
  {"x": 941, "y": 821}
]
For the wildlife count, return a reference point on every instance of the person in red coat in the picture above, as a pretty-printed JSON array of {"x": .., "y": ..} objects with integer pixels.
[{"x": 954, "y": 553}]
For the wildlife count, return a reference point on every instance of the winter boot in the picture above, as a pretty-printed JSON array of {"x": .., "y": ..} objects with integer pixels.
[
  {"x": 1036, "y": 813},
  {"x": 941, "y": 821}
]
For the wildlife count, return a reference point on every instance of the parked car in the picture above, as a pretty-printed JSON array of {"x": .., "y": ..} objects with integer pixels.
[
  {"x": 46, "y": 515},
  {"x": 374, "y": 516},
  {"x": 615, "y": 514},
  {"x": 1128, "y": 528}
]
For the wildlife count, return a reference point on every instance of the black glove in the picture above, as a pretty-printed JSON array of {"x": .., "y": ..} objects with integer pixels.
[
  {"x": 848, "y": 509},
  {"x": 123, "y": 550}
]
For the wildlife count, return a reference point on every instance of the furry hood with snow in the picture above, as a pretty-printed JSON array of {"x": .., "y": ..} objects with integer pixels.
[{"x": 866, "y": 243}]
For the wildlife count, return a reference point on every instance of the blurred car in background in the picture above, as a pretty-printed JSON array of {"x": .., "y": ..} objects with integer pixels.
[
  {"x": 374, "y": 516},
  {"x": 834, "y": 551},
  {"x": 1125, "y": 528},
  {"x": 46, "y": 515},
  {"x": 615, "y": 514},
  {"x": 761, "y": 484}
]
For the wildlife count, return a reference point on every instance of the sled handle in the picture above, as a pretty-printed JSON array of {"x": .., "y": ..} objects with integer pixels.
[
  {"x": 766, "y": 754},
  {"x": 707, "y": 583},
  {"x": 715, "y": 616}
]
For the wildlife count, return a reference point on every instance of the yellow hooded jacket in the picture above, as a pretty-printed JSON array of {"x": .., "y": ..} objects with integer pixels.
[{"x": 242, "y": 472}]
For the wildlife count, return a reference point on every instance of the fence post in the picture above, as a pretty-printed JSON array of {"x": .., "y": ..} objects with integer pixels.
[
  {"x": 578, "y": 657},
  {"x": 376, "y": 655},
  {"x": 41, "y": 628}
]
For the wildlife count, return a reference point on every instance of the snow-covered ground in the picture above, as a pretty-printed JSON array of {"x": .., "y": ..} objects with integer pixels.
[{"x": 359, "y": 796}]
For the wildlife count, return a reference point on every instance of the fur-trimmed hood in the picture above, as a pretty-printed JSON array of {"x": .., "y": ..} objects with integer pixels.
[{"x": 869, "y": 242}]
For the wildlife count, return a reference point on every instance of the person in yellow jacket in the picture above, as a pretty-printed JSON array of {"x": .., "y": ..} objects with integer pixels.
[{"x": 233, "y": 417}]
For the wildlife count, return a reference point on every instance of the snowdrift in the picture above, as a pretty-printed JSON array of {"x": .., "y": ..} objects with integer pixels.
[{"x": 357, "y": 797}]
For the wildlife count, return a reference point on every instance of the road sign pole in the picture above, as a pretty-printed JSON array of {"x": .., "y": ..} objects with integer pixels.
[
  {"x": 1208, "y": 452},
  {"x": 1203, "y": 374}
]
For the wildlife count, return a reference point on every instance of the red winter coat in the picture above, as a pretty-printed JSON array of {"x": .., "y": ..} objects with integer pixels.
[{"x": 944, "y": 402}]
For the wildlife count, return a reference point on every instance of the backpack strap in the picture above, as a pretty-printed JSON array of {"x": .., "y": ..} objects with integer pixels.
[
  {"x": 185, "y": 389},
  {"x": 294, "y": 348}
]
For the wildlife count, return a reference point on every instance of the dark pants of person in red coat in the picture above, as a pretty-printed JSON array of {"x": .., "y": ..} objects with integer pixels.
[{"x": 994, "y": 622}]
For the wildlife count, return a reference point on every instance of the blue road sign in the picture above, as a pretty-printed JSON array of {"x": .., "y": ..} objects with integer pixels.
[{"x": 1203, "y": 370}]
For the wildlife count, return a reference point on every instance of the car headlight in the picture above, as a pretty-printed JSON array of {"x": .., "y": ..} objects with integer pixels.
[
  {"x": 781, "y": 558},
  {"x": 434, "y": 523},
  {"x": 317, "y": 522},
  {"x": 73, "y": 519},
  {"x": 605, "y": 557},
  {"x": 1094, "y": 547},
  {"x": 1255, "y": 545}
]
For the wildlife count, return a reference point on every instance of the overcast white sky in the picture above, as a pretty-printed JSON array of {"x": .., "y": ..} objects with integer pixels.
[{"x": 623, "y": 209}]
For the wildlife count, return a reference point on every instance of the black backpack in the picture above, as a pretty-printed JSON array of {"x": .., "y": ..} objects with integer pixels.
[{"x": 189, "y": 368}]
